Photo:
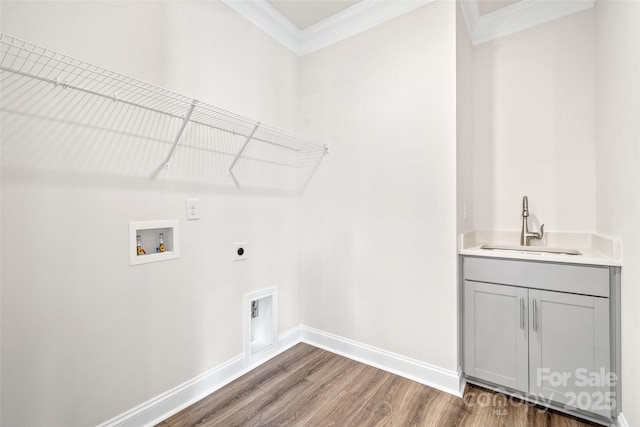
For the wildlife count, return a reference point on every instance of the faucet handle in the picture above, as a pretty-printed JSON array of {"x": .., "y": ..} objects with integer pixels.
[{"x": 541, "y": 231}]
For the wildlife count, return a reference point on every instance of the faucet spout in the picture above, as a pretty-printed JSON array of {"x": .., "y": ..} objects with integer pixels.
[{"x": 525, "y": 234}]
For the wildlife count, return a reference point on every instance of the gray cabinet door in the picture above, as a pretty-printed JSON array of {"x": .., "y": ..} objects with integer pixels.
[
  {"x": 496, "y": 334},
  {"x": 569, "y": 350}
]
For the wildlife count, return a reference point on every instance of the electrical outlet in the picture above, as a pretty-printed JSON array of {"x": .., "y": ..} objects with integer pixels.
[
  {"x": 240, "y": 251},
  {"x": 193, "y": 209}
]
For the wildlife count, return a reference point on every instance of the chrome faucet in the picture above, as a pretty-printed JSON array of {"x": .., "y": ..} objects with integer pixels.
[{"x": 526, "y": 235}]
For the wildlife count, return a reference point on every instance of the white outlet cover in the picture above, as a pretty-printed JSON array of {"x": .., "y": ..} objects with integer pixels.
[
  {"x": 193, "y": 209},
  {"x": 240, "y": 251}
]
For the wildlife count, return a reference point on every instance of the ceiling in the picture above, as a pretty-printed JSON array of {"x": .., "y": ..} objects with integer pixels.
[
  {"x": 305, "y": 26},
  {"x": 305, "y": 13},
  {"x": 489, "y": 6}
]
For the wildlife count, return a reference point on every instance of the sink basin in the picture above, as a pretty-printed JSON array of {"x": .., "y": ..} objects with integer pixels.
[{"x": 540, "y": 250}]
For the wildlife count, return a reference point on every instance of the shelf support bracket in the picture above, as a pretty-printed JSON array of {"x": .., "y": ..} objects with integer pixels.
[
  {"x": 325, "y": 151},
  {"x": 179, "y": 135},
  {"x": 242, "y": 149},
  {"x": 235, "y": 181}
]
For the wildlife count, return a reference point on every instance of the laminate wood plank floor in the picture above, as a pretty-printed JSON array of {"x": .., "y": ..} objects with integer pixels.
[{"x": 307, "y": 386}]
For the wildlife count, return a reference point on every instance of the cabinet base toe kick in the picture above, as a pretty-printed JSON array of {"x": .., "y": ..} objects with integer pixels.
[{"x": 501, "y": 400}]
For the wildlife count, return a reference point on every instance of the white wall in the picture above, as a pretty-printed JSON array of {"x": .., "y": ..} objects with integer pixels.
[
  {"x": 618, "y": 171},
  {"x": 464, "y": 124},
  {"x": 85, "y": 336},
  {"x": 379, "y": 223},
  {"x": 534, "y": 127}
]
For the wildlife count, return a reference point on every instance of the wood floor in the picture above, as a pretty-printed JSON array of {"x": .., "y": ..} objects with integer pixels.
[{"x": 307, "y": 386}]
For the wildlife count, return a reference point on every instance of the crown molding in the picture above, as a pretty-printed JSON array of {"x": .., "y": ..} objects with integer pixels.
[
  {"x": 517, "y": 17},
  {"x": 268, "y": 19},
  {"x": 351, "y": 21},
  {"x": 354, "y": 20},
  {"x": 370, "y": 13}
]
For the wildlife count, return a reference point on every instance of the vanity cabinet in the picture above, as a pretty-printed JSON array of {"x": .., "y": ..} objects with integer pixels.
[{"x": 544, "y": 331}]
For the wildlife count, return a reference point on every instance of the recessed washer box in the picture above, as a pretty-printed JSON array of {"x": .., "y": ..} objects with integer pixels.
[
  {"x": 149, "y": 232},
  {"x": 260, "y": 324}
]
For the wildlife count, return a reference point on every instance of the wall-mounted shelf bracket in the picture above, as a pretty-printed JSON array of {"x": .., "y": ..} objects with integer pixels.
[
  {"x": 304, "y": 187},
  {"x": 233, "y": 177},
  {"x": 167, "y": 161},
  {"x": 241, "y": 150},
  {"x": 59, "y": 82}
]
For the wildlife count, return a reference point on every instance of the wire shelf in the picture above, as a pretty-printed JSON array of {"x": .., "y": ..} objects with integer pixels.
[{"x": 37, "y": 82}]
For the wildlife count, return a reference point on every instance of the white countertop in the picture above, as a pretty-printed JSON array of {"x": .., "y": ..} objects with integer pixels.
[{"x": 595, "y": 249}]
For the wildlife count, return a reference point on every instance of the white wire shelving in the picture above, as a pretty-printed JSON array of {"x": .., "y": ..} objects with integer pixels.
[{"x": 41, "y": 83}]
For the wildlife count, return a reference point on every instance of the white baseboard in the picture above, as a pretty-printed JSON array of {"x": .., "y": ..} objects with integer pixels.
[
  {"x": 462, "y": 384},
  {"x": 160, "y": 407},
  {"x": 621, "y": 421},
  {"x": 424, "y": 373},
  {"x": 171, "y": 402},
  {"x": 286, "y": 340}
]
